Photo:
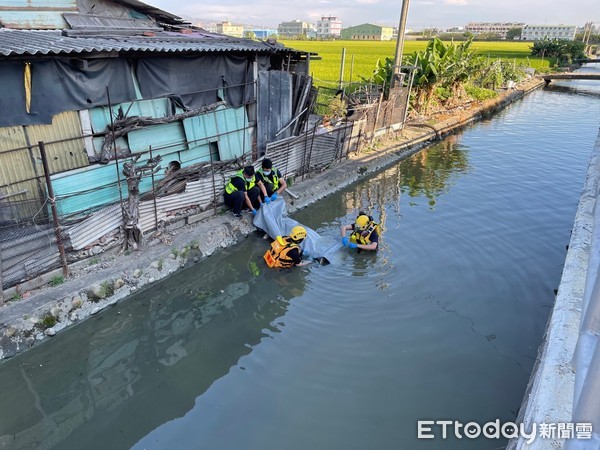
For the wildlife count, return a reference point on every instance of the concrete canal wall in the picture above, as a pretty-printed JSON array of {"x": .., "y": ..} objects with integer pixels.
[
  {"x": 549, "y": 395},
  {"x": 112, "y": 277}
]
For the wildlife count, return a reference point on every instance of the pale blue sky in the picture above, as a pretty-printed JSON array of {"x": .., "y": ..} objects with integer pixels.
[{"x": 421, "y": 13}]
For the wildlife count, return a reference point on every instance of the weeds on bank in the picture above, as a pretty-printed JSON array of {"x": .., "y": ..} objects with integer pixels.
[
  {"x": 48, "y": 321},
  {"x": 57, "y": 280},
  {"x": 185, "y": 252}
]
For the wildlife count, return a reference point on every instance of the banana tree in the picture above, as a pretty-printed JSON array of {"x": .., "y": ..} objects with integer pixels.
[{"x": 440, "y": 64}]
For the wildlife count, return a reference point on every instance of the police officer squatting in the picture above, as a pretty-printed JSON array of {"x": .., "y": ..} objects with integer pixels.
[{"x": 259, "y": 192}]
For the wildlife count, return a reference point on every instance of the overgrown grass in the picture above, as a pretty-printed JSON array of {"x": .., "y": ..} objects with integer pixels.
[
  {"x": 57, "y": 280},
  {"x": 326, "y": 72},
  {"x": 479, "y": 93},
  {"x": 48, "y": 321}
]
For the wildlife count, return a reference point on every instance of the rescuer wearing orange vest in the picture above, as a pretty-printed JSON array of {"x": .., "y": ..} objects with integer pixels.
[{"x": 285, "y": 251}]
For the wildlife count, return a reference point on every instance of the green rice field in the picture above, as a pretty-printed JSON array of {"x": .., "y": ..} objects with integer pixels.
[{"x": 361, "y": 56}]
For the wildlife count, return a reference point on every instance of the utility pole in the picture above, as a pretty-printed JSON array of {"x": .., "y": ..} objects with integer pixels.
[{"x": 396, "y": 74}]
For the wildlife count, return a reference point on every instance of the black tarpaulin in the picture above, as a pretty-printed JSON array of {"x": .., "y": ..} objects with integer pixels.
[
  {"x": 197, "y": 81},
  {"x": 12, "y": 99},
  {"x": 61, "y": 85}
]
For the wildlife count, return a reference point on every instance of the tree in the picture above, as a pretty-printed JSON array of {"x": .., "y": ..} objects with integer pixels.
[
  {"x": 440, "y": 64},
  {"x": 564, "y": 51},
  {"x": 249, "y": 34},
  {"x": 514, "y": 33},
  {"x": 132, "y": 232}
]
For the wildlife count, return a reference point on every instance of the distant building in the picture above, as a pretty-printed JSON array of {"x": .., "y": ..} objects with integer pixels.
[
  {"x": 293, "y": 29},
  {"x": 499, "y": 28},
  {"x": 329, "y": 27},
  {"x": 536, "y": 32},
  {"x": 456, "y": 30},
  {"x": 230, "y": 30},
  {"x": 368, "y": 32},
  {"x": 263, "y": 33},
  {"x": 208, "y": 26}
]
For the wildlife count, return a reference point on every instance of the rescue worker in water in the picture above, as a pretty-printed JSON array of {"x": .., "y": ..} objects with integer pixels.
[
  {"x": 285, "y": 251},
  {"x": 365, "y": 233}
]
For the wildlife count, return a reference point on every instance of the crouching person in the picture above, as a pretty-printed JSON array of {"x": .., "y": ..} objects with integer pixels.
[
  {"x": 285, "y": 251},
  {"x": 243, "y": 190},
  {"x": 272, "y": 180}
]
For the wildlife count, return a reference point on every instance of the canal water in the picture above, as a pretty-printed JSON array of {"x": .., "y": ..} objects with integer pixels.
[{"x": 442, "y": 323}]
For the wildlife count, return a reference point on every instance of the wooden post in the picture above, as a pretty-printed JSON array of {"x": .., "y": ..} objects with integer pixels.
[
  {"x": 153, "y": 192},
  {"x": 342, "y": 64},
  {"x": 131, "y": 214},
  {"x": 51, "y": 199}
]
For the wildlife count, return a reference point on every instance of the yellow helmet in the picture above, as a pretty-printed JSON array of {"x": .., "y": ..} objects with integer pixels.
[
  {"x": 298, "y": 233},
  {"x": 362, "y": 221}
]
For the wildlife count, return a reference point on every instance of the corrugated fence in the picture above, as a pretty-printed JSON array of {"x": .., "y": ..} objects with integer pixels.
[{"x": 28, "y": 245}]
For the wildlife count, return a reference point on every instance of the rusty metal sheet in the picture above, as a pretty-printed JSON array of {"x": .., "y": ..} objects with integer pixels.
[
  {"x": 15, "y": 166},
  {"x": 66, "y": 155},
  {"x": 98, "y": 23}
]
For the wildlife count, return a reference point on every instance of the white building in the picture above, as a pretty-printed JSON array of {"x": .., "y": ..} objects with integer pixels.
[
  {"x": 537, "y": 32},
  {"x": 329, "y": 27},
  {"x": 499, "y": 28},
  {"x": 295, "y": 28}
]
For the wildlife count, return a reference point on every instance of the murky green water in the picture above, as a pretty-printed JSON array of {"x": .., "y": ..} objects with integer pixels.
[{"x": 443, "y": 322}]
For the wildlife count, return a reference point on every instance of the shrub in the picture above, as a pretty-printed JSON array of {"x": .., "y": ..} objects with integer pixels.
[
  {"x": 57, "y": 280},
  {"x": 48, "y": 321},
  {"x": 480, "y": 94}
]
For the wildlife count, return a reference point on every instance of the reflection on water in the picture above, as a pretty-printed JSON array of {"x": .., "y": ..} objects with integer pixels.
[
  {"x": 430, "y": 173},
  {"x": 442, "y": 322},
  {"x": 145, "y": 359}
]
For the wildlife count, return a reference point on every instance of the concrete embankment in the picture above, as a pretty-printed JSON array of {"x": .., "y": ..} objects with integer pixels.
[
  {"x": 549, "y": 395},
  {"x": 42, "y": 312}
]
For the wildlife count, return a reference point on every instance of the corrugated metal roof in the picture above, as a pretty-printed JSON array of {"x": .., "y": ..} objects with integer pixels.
[
  {"x": 34, "y": 42},
  {"x": 106, "y": 24},
  {"x": 151, "y": 10}
]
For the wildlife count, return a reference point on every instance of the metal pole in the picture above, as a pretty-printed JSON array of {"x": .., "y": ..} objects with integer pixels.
[
  {"x": 112, "y": 127},
  {"x": 59, "y": 242},
  {"x": 1, "y": 288},
  {"x": 341, "y": 85},
  {"x": 153, "y": 192},
  {"x": 396, "y": 76},
  {"x": 212, "y": 167}
]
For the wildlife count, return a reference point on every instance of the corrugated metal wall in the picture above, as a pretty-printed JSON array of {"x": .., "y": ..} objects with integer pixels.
[
  {"x": 66, "y": 155},
  {"x": 36, "y": 14},
  {"x": 21, "y": 170}
]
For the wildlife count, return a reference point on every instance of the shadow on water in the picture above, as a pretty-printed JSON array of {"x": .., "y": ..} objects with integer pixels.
[
  {"x": 142, "y": 363},
  {"x": 571, "y": 90}
]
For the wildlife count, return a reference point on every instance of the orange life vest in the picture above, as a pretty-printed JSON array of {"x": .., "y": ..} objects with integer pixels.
[{"x": 277, "y": 256}]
